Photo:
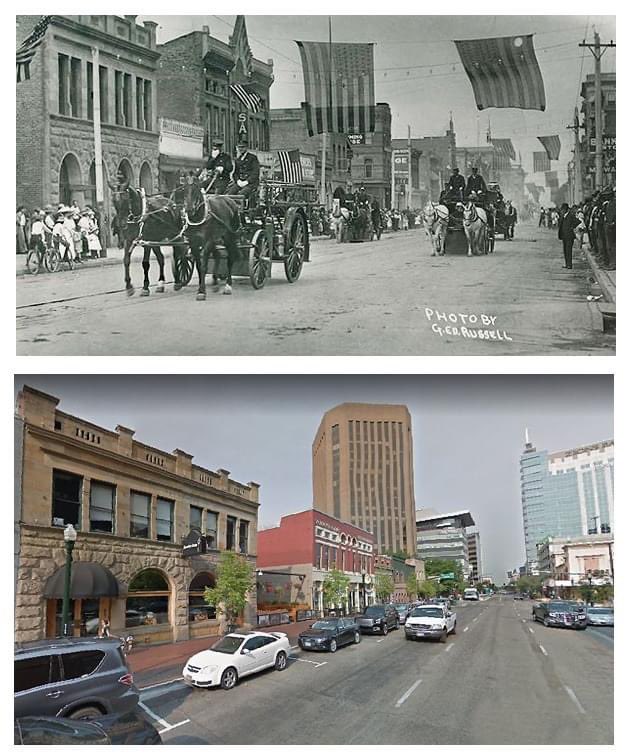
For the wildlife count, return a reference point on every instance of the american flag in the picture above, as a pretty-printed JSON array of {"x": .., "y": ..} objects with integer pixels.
[
  {"x": 290, "y": 166},
  {"x": 338, "y": 87},
  {"x": 503, "y": 72},
  {"x": 504, "y": 147},
  {"x": 26, "y": 51},
  {"x": 552, "y": 145},
  {"x": 247, "y": 97},
  {"x": 541, "y": 162}
]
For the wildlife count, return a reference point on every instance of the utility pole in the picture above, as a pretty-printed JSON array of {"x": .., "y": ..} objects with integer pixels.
[
  {"x": 578, "y": 174},
  {"x": 598, "y": 50},
  {"x": 97, "y": 135},
  {"x": 410, "y": 185}
]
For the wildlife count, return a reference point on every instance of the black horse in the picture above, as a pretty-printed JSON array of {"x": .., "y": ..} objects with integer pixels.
[
  {"x": 211, "y": 218},
  {"x": 154, "y": 219}
]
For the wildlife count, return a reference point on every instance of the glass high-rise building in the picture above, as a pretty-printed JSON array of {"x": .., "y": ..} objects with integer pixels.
[{"x": 566, "y": 494}]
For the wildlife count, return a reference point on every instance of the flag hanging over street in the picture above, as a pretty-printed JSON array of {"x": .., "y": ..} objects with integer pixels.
[
  {"x": 338, "y": 87},
  {"x": 552, "y": 145},
  {"x": 503, "y": 72},
  {"x": 504, "y": 147},
  {"x": 541, "y": 162},
  {"x": 290, "y": 166},
  {"x": 26, "y": 51},
  {"x": 552, "y": 179},
  {"x": 247, "y": 97},
  {"x": 533, "y": 190}
]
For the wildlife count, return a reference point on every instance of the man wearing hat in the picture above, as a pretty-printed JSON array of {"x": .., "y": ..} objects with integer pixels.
[
  {"x": 455, "y": 187},
  {"x": 476, "y": 183},
  {"x": 246, "y": 174},
  {"x": 220, "y": 166}
]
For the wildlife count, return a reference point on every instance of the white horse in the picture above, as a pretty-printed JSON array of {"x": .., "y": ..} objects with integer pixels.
[
  {"x": 436, "y": 219},
  {"x": 339, "y": 219},
  {"x": 475, "y": 227}
]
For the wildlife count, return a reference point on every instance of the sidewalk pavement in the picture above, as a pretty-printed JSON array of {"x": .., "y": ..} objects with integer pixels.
[
  {"x": 114, "y": 257},
  {"x": 605, "y": 278}
]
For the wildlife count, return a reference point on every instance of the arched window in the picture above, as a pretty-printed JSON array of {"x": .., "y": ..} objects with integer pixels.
[
  {"x": 70, "y": 181},
  {"x": 126, "y": 168},
  {"x": 148, "y": 599},
  {"x": 198, "y": 609},
  {"x": 145, "y": 178}
]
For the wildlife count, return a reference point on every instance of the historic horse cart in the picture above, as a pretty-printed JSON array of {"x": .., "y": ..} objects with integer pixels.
[
  {"x": 275, "y": 230},
  {"x": 456, "y": 242}
]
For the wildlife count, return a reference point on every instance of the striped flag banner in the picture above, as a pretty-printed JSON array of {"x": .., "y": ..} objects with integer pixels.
[
  {"x": 247, "y": 97},
  {"x": 290, "y": 166},
  {"x": 26, "y": 51},
  {"x": 503, "y": 72},
  {"x": 504, "y": 147},
  {"x": 552, "y": 179},
  {"x": 552, "y": 145},
  {"x": 338, "y": 87},
  {"x": 541, "y": 162},
  {"x": 533, "y": 190}
]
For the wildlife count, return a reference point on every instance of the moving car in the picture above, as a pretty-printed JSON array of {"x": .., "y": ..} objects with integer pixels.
[
  {"x": 237, "y": 655},
  {"x": 561, "y": 614},
  {"x": 329, "y": 633},
  {"x": 470, "y": 594},
  {"x": 379, "y": 618},
  {"x": 80, "y": 678},
  {"x": 430, "y": 621},
  {"x": 600, "y": 615},
  {"x": 131, "y": 728}
]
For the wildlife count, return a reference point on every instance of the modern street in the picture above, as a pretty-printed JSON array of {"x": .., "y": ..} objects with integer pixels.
[
  {"x": 501, "y": 679},
  {"x": 389, "y": 297}
]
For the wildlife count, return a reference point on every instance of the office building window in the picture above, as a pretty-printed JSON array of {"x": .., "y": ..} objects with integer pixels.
[
  {"x": 147, "y": 105},
  {"x": 139, "y": 102},
  {"x": 195, "y": 518},
  {"x": 66, "y": 498},
  {"x": 76, "y": 87},
  {"x": 165, "y": 519},
  {"x": 127, "y": 103},
  {"x": 64, "y": 84},
  {"x": 104, "y": 94},
  {"x": 211, "y": 530},
  {"x": 139, "y": 515},
  {"x": 90, "y": 91},
  {"x": 119, "y": 110},
  {"x": 369, "y": 168},
  {"x": 231, "y": 525},
  {"x": 101, "y": 507},
  {"x": 243, "y": 537}
]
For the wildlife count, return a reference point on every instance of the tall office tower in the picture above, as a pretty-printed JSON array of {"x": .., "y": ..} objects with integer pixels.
[
  {"x": 363, "y": 472},
  {"x": 444, "y": 536},
  {"x": 566, "y": 493},
  {"x": 474, "y": 550}
]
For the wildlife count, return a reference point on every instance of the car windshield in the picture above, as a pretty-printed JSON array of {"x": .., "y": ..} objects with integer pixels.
[
  {"x": 427, "y": 611},
  {"x": 228, "y": 644},
  {"x": 562, "y": 606},
  {"x": 374, "y": 611},
  {"x": 325, "y": 625},
  {"x": 599, "y": 610},
  {"x": 400, "y": 607}
]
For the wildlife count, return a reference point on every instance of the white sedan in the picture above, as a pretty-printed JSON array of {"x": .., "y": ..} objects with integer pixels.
[{"x": 236, "y": 655}]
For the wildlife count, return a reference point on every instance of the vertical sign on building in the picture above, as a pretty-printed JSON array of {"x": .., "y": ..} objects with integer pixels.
[{"x": 400, "y": 175}]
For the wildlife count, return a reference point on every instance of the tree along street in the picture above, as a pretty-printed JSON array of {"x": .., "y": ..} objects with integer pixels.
[
  {"x": 387, "y": 297},
  {"x": 500, "y": 680}
]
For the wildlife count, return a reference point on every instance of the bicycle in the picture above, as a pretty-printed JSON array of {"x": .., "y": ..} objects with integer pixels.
[{"x": 39, "y": 260}]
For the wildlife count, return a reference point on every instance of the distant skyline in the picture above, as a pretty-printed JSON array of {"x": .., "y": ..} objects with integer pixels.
[
  {"x": 418, "y": 70},
  {"x": 468, "y": 432}
]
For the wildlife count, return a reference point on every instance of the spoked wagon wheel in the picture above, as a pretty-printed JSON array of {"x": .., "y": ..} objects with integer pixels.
[
  {"x": 259, "y": 260},
  {"x": 32, "y": 262},
  {"x": 52, "y": 260},
  {"x": 295, "y": 250},
  {"x": 182, "y": 264}
]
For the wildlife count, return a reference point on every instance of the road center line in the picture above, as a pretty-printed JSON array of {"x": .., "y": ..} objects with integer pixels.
[
  {"x": 543, "y": 651},
  {"x": 465, "y": 629},
  {"x": 380, "y": 641},
  {"x": 401, "y": 700},
  {"x": 475, "y": 618},
  {"x": 154, "y": 716},
  {"x": 574, "y": 698},
  {"x": 530, "y": 630},
  {"x": 449, "y": 647}
]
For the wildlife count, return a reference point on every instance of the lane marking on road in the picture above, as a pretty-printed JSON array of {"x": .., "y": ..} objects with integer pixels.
[
  {"x": 380, "y": 640},
  {"x": 164, "y": 723},
  {"x": 475, "y": 618},
  {"x": 172, "y": 727},
  {"x": 308, "y": 661},
  {"x": 465, "y": 629},
  {"x": 162, "y": 690},
  {"x": 543, "y": 651},
  {"x": 530, "y": 630},
  {"x": 574, "y": 698},
  {"x": 449, "y": 647},
  {"x": 157, "y": 685},
  {"x": 403, "y": 698},
  {"x": 294, "y": 648}
]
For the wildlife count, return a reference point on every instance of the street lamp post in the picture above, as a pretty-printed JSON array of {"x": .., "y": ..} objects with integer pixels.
[{"x": 69, "y": 536}]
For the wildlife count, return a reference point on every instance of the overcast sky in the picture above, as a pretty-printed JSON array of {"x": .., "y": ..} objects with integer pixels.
[
  {"x": 418, "y": 71},
  {"x": 468, "y": 432}
]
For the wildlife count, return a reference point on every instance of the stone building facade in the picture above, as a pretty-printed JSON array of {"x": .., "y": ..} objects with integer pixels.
[
  {"x": 55, "y": 145},
  {"x": 138, "y": 511}
]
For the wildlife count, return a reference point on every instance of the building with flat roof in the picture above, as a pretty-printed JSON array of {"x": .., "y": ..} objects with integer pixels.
[
  {"x": 475, "y": 554},
  {"x": 363, "y": 472},
  {"x": 444, "y": 536},
  {"x": 566, "y": 494}
]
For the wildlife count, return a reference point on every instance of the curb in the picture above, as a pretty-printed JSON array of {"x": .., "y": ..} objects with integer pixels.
[
  {"x": 99, "y": 263},
  {"x": 606, "y": 285}
]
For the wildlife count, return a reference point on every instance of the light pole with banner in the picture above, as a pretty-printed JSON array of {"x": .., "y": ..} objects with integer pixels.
[{"x": 69, "y": 536}]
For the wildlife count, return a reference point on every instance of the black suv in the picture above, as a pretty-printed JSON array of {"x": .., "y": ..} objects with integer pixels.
[
  {"x": 379, "y": 618},
  {"x": 80, "y": 678},
  {"x": 561, "y": 614}
]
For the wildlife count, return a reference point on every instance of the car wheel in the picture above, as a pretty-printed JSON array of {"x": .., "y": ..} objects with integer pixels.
[
  {"x": 281, "y": 661},
  {"x": 357, "y": 637},
  {"x": 545, "y": 622},
  {"x": 229, "y": 678},
  {"x": 333, "y": 646},
  {"x": 453, "y": 631},
  {"x": 385, "y": 630},
  {"x": 444, "y": 637},
  {"x": 86, "y": 712}
]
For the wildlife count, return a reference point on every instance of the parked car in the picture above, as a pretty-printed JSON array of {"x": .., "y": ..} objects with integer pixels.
[
  {"x": 561, "y": 614},
  {"x": 379, "y": 618},
  {"x": 403, "y": 611},
  {"x": 518, "y": 597},
  {"x": 329, "y": 633},
  {"x": 80, "y": 678},
  {"x": 131, "y": 728},
  {"x": 430, "y": 621},
  {"x": 600, "y": 615},
  {"x": 236, "y": 655}
]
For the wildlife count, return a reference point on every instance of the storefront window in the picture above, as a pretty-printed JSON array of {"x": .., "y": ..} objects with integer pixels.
[
  {"x": 101, "y": 507},
  {"x": 66, "y": 496},
  {"x": 165, "y": 519},
  {"x": 139, "y": 515},
  {"x": 148, "y": 599},
  {"x": 198, "y": 609}
]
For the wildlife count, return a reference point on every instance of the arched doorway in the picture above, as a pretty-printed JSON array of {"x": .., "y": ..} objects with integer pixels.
[
  {"x": 145, "y": 178},
  {"x": 70, "y": 181},
  {"x": 148, "y": 601},
  {"x": 202, "y": 618},
  {"x": 126, "y": 169}
]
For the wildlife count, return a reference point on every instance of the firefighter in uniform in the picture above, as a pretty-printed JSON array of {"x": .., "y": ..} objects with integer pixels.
[
  {"x": 476, "y": 183},
  {"x": 245, "y": 180},
  {"x": 219, "y": 166},
  {"x": 455, "y": 188}
]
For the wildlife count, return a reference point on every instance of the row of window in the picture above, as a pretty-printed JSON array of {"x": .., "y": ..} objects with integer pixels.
[
  {"x": 128, "y": 110},
  {"x": 67, "y": 494},
  {"x": 330, "y": 557}
]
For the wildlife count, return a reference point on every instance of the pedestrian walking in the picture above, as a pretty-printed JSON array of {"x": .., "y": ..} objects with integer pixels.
[
  {"x": 567, "y": 226},
  {"x": 104, "y": 631},
  {"x": 542, "y": 217}
]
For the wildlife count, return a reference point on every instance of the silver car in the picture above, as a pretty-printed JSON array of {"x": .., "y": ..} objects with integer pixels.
[{"x": 600, "y": 615}]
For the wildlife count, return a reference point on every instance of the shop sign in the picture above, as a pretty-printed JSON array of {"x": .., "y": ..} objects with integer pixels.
[
  {"x": 194, "y": 543},
  {"x": 356, "y": 139},
  {"x": 243, "y": 124}
]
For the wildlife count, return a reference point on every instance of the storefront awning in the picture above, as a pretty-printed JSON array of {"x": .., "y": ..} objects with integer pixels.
[{"x": 89, "y": 580}]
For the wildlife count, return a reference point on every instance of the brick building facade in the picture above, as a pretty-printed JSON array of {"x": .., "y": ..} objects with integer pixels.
[
  {"x": 134, "y": 507},
  {"x": 55, "y": 109}
]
